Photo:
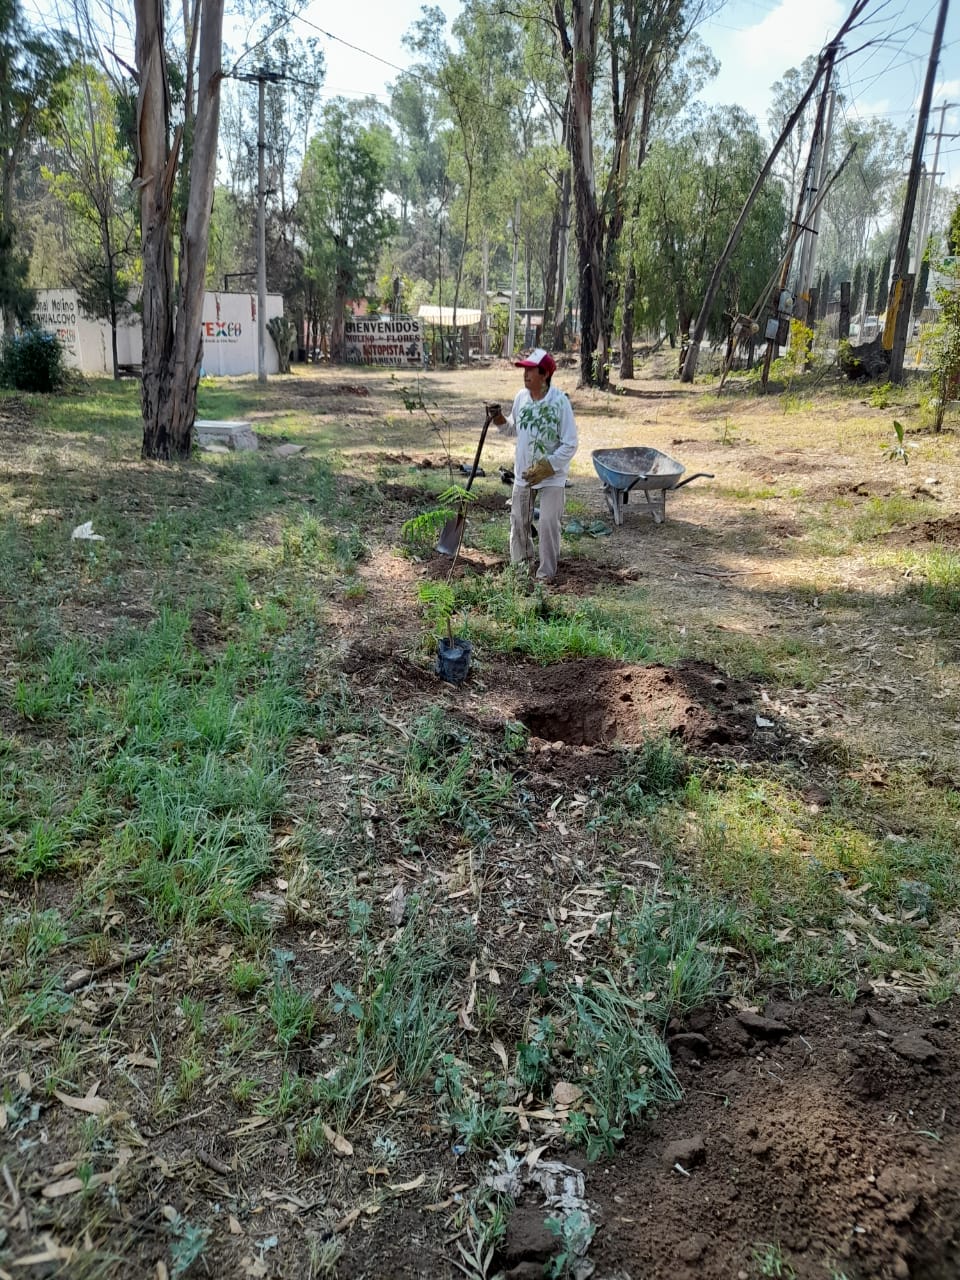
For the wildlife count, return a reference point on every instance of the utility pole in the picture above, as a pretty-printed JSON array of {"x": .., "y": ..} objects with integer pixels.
[
  {"x": 261, "y": 238},
  {"x": 777, "y": 327},
  {"x": 700, "y": 325},
  {"x": 899, "y": 307},
  {"x": 934, "y": 174},
  {"x": 261, "y": 77},
  {"x": 808, "y": 254}
]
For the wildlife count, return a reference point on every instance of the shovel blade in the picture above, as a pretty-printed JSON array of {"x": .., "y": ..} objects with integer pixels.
[{"x": 451, "y": 535}]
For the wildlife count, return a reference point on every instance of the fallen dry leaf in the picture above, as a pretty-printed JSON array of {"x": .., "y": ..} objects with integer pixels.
[
  {"x": 70, "y": 1186},
  {"x": 498, "y": 1048},
  {"x": 397, "y": 899},
  {"x": 52, "y": 1252},
  {"x": 881, "y": 946},
  {"x": 254, "y": 1122},
  {"x": 339, "y": 1143},
  {"x": 565, "y": 1094},
  {"x": 91, "y": 1104},
  {"x": 141, "y": 1060},
  {"x": 463, "y": 1017},
  {"x": 412, "y": 1185}
]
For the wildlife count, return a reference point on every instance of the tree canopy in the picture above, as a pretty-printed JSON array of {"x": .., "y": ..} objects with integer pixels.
[{"x": 566, "y": 136}]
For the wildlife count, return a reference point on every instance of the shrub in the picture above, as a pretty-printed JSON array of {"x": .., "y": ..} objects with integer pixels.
[{"x": 32, "y": 361}]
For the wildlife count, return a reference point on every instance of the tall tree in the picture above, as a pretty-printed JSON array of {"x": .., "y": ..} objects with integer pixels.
[
  {"x": 693, "y": 182},
  {"x": 32, "y": 74},
  {"x": 635, "y": 33},
  {"x": 827, "y": 58},
  {"x": 346, "y": 219},
  {"x": 172, "y": 344},
  {"x": 671, "y": 84},
  {"x": 856, "y": 288},
  {"x": 90, "y": 174},
  {"x": 784, "y": 96},
  {"x": 871, "y": 289},
  {"x": 862, "y": 198}
]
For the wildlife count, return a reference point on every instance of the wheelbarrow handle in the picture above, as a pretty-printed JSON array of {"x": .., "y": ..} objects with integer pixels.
[
  {"x": 707, "y": 475},
  {"x": 492, "y": 411}
]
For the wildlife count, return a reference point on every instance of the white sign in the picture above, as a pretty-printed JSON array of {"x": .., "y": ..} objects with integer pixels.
[
  {"x": 56, "y": 312},
  {"x": 394, "y": 341}
]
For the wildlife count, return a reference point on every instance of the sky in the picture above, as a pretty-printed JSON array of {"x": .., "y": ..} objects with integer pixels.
[{"x": 755, "y": 43}]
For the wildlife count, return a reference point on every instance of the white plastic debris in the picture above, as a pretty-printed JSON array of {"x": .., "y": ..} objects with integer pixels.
[
  {"x": 562, "y": 1191},
  {"x": 85, "y": 532}
]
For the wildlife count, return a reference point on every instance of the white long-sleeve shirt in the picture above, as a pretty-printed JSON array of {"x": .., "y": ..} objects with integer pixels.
[{"x": 545, "y": 429}]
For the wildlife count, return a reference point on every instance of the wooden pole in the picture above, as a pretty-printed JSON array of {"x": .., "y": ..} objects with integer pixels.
[{"x": 896, "y": 330}]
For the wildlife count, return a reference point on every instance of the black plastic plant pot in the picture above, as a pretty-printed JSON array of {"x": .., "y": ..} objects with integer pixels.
[{"x": 453, "y": 659}]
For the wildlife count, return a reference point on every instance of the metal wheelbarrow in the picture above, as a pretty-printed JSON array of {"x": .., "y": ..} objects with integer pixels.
[{"x": 621, "y": 471}]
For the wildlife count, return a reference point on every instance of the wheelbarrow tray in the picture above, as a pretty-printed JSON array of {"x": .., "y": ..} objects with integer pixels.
[{"x": 622, "y": 471}]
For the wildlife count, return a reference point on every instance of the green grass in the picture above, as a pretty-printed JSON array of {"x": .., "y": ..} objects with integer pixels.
[
  {"x": 880, "y": 516},
  {"x": 780, "y": 659},
  {"x": 355, "y": 902},
  {"x": 785, "y": 872},
  {"x": 506, "y": 613},
  {"x": 939, "y": 587}
]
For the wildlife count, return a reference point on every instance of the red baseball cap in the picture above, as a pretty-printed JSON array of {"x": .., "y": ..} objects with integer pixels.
[{"x": 539, "y": 359}]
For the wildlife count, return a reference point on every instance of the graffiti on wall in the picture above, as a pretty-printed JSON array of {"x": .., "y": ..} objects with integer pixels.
[{"x": 56, "y": 312}]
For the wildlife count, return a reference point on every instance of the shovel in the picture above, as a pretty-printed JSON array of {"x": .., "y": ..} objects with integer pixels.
[{"x": 451, "y": 535}]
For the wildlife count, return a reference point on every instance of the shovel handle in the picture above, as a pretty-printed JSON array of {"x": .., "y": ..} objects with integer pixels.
[{"x": 492, "y": 411}]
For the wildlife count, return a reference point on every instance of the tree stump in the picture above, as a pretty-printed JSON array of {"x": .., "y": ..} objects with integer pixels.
[{"x": 866, "y": 361}]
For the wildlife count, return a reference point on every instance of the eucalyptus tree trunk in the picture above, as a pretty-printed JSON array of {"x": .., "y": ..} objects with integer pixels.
[
  {"x": 630, "y": 276},
  {"x": 172, "y": 342},
  {"x": 579, "y": 48},
  {"x": 550, "y": 281},
  {"x": 563, "y": 247},
  {"x": 338, "y": 323},
  {"x": 638, "y": 34}
]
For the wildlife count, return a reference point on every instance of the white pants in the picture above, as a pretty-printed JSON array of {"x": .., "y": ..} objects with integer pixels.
[{"x": 522, "y": 548}]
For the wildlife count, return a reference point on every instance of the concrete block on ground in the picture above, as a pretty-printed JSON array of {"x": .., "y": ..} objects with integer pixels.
[{"x": 233, "y": 435}]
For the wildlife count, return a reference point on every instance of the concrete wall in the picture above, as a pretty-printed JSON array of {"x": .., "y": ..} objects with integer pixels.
[{"x": 229, "y": 333}]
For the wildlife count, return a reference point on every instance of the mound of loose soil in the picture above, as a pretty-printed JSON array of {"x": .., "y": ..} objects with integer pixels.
[
  {"x": 774, "y": 466},
  {"x": 575, "y": 577},
  {"x": 472, "y": 563},
  {"x": 490, "y": 502},
  {"x": 595, "y": 702},
  {"x": 826, "y": 1129},
  {"x": 584, "y": 577},
  {"x": 942, "y": 532}
]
